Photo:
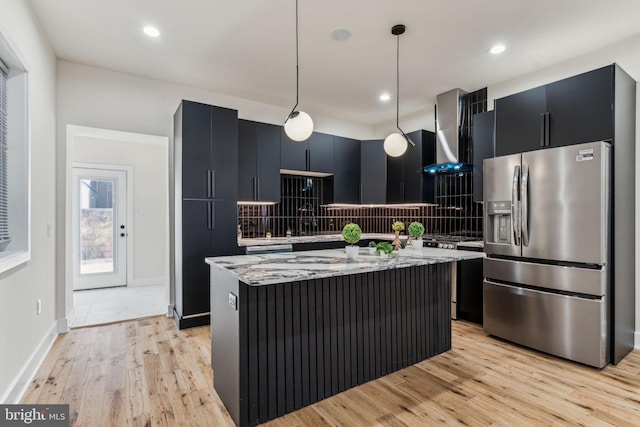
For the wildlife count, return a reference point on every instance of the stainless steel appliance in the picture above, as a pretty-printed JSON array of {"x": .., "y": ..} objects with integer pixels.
[{"x": 547, "y": 275}]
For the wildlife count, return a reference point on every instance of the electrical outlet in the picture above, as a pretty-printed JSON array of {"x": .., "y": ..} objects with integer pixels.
[
  {"x": 233, "y": 301},
  {"x": 39, "y": 306}
]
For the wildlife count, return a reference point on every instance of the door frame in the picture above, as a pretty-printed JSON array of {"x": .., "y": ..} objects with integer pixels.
[{"x": 128, "y": 170}]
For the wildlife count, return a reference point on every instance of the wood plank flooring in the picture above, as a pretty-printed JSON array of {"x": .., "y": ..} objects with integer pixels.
[{"x": 146, "y": 372}]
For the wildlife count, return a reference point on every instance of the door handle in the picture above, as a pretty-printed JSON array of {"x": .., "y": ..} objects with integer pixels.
[
  {"x": 123, "y": 234},
  {"x": 524, "y": 196},
  {"x": 515, "y": 205}
]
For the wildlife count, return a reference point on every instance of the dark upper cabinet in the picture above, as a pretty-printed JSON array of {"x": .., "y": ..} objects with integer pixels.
[
  {"x": 315, "y": 154},
  {"x": 406, "y": 180},
  {"x": 258, "y": 161},
  {"x": 373, "y": 172},
  {"x": 208, "y": 145},
  {"x": 346, "y": 169},
  {"x": 569, "y": 111},
  {"x": 483, "y": 148}
]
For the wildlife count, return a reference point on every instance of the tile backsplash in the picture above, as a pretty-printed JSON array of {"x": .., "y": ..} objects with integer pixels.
[{"x": 306, "y": 213}]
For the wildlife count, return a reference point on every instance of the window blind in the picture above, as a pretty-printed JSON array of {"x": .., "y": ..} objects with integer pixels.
[{"x": 4, "y": 199}]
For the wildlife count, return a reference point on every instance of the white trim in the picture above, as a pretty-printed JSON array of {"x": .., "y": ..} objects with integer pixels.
[
  {"x": 170, "y": 309},
  {"x": 22, "y": 381},
  {"x": 637, "y": 340},
  {"x": 116, "y": 135}
]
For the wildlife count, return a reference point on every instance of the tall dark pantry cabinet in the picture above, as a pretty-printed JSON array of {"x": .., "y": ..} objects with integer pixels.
[{"x": 203, "y": 203}]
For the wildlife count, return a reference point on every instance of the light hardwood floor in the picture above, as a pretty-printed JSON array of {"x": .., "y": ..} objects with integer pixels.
[{"x": 146, "y": 372}]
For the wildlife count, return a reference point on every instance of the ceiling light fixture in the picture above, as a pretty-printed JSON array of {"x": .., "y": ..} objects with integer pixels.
[
  {"x": 151, "y": 31},
  {"x": 385, "y": 97},
  {"x": 298, "y": 126},
  {"x": 499, "y": 48},
  {"x": 396, "y": 144}
]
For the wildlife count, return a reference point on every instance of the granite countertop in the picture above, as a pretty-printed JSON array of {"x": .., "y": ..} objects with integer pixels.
[
  {"x": 310, "y": 239},
  {"x": 267, "y": 269}
]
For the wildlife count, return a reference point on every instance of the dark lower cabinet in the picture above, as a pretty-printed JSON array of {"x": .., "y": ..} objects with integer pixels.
[{"x": 469, "y": 288}]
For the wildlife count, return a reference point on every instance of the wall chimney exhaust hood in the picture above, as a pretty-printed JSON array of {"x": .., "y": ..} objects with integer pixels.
[{"x": 449, "y": 116}]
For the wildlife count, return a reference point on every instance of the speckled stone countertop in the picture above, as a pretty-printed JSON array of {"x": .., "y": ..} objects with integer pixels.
[
  {"x": 267, "y": 269},
  {"x": 312, "y": 239}
]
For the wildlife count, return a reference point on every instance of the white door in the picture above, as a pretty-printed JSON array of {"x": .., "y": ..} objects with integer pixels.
[{"x": 99, "y": 228}]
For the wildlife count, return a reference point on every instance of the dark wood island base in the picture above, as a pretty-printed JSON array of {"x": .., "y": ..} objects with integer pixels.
[{"x": 288, "y": 345}]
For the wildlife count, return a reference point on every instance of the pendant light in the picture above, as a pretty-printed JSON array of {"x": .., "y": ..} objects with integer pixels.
[
  {"x": 298, "y": 126},
  {"x": 396, "y": 144}
]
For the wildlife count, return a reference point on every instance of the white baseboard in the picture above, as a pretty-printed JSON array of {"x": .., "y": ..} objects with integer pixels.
[
  {"x": 146, "y": 281},
  {"x": 25, "y": 376},
  {"x": 170, "y": 310},
  {"x": 637, "y": 340}
]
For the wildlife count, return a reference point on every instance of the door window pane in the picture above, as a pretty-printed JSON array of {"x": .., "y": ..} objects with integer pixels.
[{"x": 97, "y": 226}]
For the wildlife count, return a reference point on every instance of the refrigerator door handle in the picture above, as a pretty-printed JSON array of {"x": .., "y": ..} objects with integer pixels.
[
  {"x": 515, "y": 205},
  {"x": 524, "y": 197}
]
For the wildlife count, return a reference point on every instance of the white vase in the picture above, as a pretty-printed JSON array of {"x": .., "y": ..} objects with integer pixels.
[
  {"x": 402, "y": 252},
  {"x": 416, "y": 244},
  {"x": 372, "y": 251},
  {"x": 352, "y": 251}
]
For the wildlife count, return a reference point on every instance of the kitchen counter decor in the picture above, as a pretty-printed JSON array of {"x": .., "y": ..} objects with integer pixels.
[
  {"x": 416, "y": 230},
  {"x": 397, "y": 227},
  {"x": 351, "y": 234}
]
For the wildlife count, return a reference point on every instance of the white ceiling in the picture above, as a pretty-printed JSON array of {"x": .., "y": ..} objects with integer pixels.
[{"x": 246, "y": 48}]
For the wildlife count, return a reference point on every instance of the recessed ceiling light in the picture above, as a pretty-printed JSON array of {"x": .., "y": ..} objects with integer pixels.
[
  {"x": 151, "y": 31},
  {"x": 340, "y": 34},
  {"x": 499, "y": 48},
  {"x": 385, "y": 97}
]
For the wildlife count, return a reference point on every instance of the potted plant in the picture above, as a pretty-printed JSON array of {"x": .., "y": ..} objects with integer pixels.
[
  {"x": 372, "y": 247},
  {"x": 351, "y": 234},
  {"x": 397, "y": 227},
  {"x": 384, "y": 249},
  {"x": 403, "y": 247},
  {"x": 416, "y": 230}
]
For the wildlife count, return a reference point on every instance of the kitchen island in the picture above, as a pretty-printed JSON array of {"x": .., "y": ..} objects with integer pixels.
[{"x": 290, "y": 329}]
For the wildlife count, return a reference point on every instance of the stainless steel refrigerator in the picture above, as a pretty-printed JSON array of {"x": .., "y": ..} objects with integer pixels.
[{"x": 547, "y": 275}]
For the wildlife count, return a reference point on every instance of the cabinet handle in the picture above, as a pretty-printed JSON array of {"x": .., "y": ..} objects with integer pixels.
[
  {"x": 307, "y": 154},
  {"x": 213, "y": 184},
  {"x": 209, "y": 215},
  {"x": 360, "y": 189},
  {"x": 258, "y": 186},
  {"x": 208, "y": 183},
  {"x": 402, "y": 192},
  {"x": 542, "y": 127},
  {"x": 255, "y": 189},
  {"x": 547, "y": 118}
]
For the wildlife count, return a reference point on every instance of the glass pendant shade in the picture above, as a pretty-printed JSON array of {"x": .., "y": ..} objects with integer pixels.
[
  {"x": 395, "y": 145},
  {"x": 299, "y": 127}
]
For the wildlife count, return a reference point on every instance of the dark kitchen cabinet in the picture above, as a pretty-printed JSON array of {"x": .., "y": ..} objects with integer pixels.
[
  {"x": 406, "y": 180},
  {"x": 373, "y": 172},
  {"x": 315, "y": 154},
  {"x": 346, "y": 187},
  {"x": 258, "y": 161},
  {"x": 483, "y": 148},
  {"x": 203, "y": 203},
  {"x": 207, "y": 230},
  {"x": 570, "y": 111}
]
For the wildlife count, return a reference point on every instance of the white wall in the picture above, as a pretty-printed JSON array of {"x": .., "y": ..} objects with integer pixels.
[{"x": 22, "y": 331}]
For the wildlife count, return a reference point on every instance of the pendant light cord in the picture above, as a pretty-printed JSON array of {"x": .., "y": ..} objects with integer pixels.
[
  {"x": 398, "y": 91},
  {"x": 293, "y": 110}
]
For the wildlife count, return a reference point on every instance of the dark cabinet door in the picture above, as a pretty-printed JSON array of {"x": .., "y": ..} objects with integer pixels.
[
  {"x": 247, "y": 160},
  {"x": 196, "y": 149},
  {"x": 224, "y": 153},
  {"x": 395, "y": 193},
  {"x": 581, "y": 108},
  {"x": 224, "y": 217},
  {"x": 373, "y": 172},
  {"x": 268, "y": 162},
  {"x": 320, "y": 155},
  {"x": 293, "y": 154},
  {"x": 413, "y": 178},
  {"x": 519, "y": 121},
  {"x": 346, "y": 184},
  {"x": 193, "y": 295},
  {"x": 483, "y": 148},
  {"x": 258, "y": 161}
]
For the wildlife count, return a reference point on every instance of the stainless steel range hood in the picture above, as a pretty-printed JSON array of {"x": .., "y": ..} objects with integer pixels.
[{"x": 449, "y": 115}]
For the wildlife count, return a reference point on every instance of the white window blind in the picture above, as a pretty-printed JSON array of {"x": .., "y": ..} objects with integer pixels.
[{"x": 4, "y": 207}]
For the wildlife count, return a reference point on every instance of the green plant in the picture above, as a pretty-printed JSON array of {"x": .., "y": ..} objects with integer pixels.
[
  {"x": 372, "y": 244},
  {"x": 398, "y": 226},
  {"x": 403, "y": 244},
  {"x": 384, "y": 247},
  {"x": 416, "y": 229},
  {"x": 351, "y": 233}
]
